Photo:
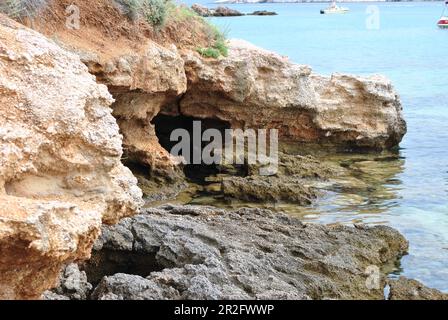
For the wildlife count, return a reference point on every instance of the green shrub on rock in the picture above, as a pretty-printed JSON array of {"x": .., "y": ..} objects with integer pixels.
[
  {"x": 152, "y": 11},
  {"x": 21, "y": 8},
  {"x": 209, "y": 52},
  {"x": 219, "y": 46}
]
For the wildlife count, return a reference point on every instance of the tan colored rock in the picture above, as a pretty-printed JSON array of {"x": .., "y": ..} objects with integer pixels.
[
  {"x": 254, "y": 88},
  {"x": 142, "y": 82},
  {"x": 60, "y": 169}
]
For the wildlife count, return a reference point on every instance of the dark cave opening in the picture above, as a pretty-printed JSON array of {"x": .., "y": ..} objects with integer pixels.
[
  {"x": 165, "y": 125},
  {"x": 109, "y": 262}
]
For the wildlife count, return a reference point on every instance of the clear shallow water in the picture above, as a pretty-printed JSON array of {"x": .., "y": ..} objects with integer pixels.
[{"x": 409, "y": 193}]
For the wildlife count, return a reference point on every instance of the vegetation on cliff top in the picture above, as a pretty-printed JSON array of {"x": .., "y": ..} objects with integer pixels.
[
  {"x": 165, "y": 20},
  {"x": 218, "y": 45},
  {"x": 153, "y": 11}
]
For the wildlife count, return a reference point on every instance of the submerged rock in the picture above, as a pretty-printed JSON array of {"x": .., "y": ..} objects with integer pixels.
[
  {"x": 268, "y": 189},
  {"x": 208, "y": 253},
  {"x": 294, "y": 182},
  {"x": 60, "y": 169}
]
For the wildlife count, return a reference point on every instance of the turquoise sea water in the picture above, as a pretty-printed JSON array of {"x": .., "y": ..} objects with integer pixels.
[{"x": 410, "y": 193}]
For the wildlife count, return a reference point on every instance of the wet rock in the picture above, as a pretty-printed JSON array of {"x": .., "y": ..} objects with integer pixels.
[
  {"x": 407, "y": 289},
  {"x": 268, "y": 189},
  {"x": 208, "y": 253},
  {"x": 60, "y": 169},
  {"x": 295, "y": 181}
]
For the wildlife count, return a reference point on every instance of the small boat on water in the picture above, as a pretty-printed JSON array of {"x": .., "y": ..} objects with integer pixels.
[
  {"x": 443, "y": 21},
  {"x": 334, "y": 9}
]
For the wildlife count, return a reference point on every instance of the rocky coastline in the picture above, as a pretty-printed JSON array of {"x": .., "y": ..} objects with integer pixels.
[{"x": 84, "y": 116}]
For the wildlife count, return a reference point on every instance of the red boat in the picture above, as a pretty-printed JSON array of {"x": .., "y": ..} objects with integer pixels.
[{"x": 443, "y": 21}]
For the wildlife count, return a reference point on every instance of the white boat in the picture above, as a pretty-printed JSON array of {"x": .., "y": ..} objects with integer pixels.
[{"x": 334, "y": 9}]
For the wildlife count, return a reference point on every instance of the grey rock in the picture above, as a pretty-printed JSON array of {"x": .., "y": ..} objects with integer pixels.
[
  {"x": 263, "y": 13},
  {"x": 131, "y": 287},
  {"x": 208, "y": 253},
  {"x": 51, "y": 296},
  {"x": 73, "y": 285}
]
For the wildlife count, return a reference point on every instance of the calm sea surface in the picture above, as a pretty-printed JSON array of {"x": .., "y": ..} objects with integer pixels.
[{"x": 409, "y": 192}]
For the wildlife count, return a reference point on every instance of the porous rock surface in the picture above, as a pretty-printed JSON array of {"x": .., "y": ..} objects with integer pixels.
[
  {"x": 60, "y": 169},
  {"x": 409, "y": 289},
  {"x": 73, "y": 285},
  {"x": 208, "y": 253},
  {"x": 251, "y": 88},
  {"x": 254, "y": 88},
  {"x": 142, "y": 82}
]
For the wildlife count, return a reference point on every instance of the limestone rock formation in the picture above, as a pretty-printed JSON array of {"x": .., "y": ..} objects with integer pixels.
[
  {"x": 150, "y": 74},
  {"x": 142, "y": 83},
  {"x": 254, "y": 88},
  {"x": 208, "y": 253},
  {"x": 60, "y": 169}
]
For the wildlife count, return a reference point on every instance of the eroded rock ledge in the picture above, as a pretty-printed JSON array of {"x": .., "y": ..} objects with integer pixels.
[
  {"x": 208, "y": 253},
  {"x": 255, "y": 88},
  {"x": 250, "y": 89},
  {"x": 60, "y": 169},
  {"x": 150, "y": 74}
]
